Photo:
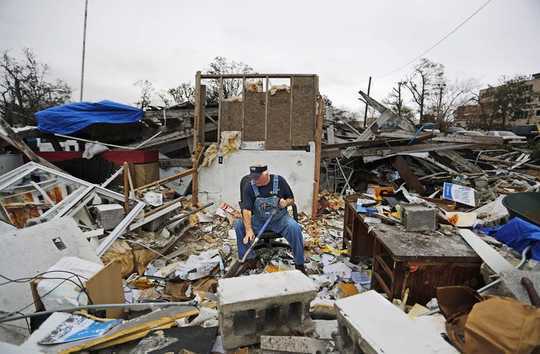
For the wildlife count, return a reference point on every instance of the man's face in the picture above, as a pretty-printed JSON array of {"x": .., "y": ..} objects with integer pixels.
[{"x": 262, "y": 180}]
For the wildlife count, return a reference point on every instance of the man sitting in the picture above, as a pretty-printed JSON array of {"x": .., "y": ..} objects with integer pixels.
[{"x": 260, "y": 197}]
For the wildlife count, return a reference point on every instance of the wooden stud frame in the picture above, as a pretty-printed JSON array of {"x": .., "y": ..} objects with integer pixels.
[{"x": 198, "y": 126}]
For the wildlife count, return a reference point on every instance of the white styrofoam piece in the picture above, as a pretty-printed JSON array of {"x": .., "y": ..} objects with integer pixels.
[
  {"x": 221, "y": 182},
  {"x": 386, "y": 329},
  {"x": 57, "y": 293},
  {"x": 32, "y": 250}
]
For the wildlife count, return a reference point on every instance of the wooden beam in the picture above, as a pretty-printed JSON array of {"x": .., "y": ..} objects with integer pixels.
[
  {"x": 407, "y": 175},
  {"x": 14, "y": 140},
  {"x": 165, "y": 180},
  {"x": 196, "y": 142},
  {"x": 486, "y": 140},
  {"x": 220, "y": 94},
  {"x": 317, "y": 173},
  {"x": 252, "y": 76},
  {"x": 384, "y": 151}
]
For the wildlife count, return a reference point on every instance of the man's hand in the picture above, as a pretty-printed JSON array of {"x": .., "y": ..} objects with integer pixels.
[
  {"x": 250, "y": 236},
  {"x": 283, "y": 203}
]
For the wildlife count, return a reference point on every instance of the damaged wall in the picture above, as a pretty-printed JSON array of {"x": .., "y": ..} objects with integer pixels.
[
  {"x": 289, "y": 118},
  {"x": 221, "y": 182}
]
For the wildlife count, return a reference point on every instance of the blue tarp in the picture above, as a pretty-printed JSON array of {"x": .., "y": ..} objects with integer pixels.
[
  {"x": 71, "y": 118},
  {"x": 518, "y": 234}
]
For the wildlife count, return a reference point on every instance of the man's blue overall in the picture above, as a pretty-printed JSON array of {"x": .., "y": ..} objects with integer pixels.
[{"x": 282, "y": 223}]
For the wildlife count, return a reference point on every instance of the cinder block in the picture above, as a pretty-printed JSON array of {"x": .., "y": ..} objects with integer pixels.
[
  {"x": 263, "y": 304},
  {"x": 418, "y": 217},
  {"x": 109, "y": 215},
  {"x": 292, "y": 344},
  {"x": 369, "y": 323}
]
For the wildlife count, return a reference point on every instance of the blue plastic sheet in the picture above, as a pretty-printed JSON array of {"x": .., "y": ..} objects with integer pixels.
[
  {"x": 518, "y": 234},
  {"x": 70, "y": 118}
]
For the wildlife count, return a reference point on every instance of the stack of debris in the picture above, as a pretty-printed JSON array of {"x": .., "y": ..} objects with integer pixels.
[{"x": 141, "y": 267}]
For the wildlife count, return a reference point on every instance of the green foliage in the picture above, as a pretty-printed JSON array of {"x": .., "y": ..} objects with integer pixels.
[{"x": 25, "y": 89}]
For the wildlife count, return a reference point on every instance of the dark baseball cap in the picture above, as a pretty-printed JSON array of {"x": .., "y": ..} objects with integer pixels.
[{"x": 256, "y": 171}]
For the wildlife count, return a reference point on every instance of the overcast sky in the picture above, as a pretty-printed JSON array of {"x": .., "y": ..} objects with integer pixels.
[{"x": 344, "y": 42}]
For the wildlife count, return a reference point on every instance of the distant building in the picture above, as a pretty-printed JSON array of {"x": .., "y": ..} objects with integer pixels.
[
  {"x": 525, "y": 117},
  {"x": 467, "y": 116},
  {"x": 471, "y": 116}
]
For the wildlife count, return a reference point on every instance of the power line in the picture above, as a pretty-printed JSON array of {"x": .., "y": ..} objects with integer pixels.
[{"x": 439, "y": 41}]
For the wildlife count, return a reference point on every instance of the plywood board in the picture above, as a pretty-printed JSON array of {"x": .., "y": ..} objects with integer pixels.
[
  {"x": 254, "y": 116},
  {"x": 231, "y": 116},
  {"x": 304, "y": 94},
  {"x": 279, "y": 124},
  {"x": 105, "y": 287},
  {"x": 144, "y": 173}
]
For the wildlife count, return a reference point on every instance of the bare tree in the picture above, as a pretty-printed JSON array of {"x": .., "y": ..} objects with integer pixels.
[
  {"x": 395, "y": 101},
  {"x": 24, "y": 88},
  {"x": 220, "y": 66},
  {"x": 422, "y": 81},
  {"x": 446, "y": 97},
  {"x": 147, "y": 91},
  {"x": 185, "y": 92}
]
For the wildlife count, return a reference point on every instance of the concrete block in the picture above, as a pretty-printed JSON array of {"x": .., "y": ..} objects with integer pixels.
[
  {"x": 369, "y": 323},
  {"x": 109, "y": 215},
  {"x": 291, "y": 344},
  {"x": 263, "y": 304},
  {"x": 419, "y": 217}
]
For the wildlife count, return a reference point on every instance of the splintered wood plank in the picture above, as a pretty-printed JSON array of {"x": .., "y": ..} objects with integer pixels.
[{"x": 408, "y": 176}]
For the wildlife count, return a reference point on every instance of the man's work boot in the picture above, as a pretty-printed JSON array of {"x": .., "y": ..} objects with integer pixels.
[{"x": 300, "y": 268}]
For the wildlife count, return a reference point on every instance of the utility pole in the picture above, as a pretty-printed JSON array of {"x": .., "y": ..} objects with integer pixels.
[
  {"x": 439, "y": 103},
  {"x": 365, "y": 111},
  {"x": 399, "y": 100},
  {"x": 83, "y": 48}
]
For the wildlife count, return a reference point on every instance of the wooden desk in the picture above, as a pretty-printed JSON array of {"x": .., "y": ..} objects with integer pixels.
[
  {"x": 420, "y": 262},
  {"x": 355, "y": 233}
]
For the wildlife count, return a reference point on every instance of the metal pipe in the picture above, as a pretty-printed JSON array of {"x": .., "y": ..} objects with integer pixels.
[
  {"x": 100, "y": 307},
  {"x": 366, "y": 109},
  {"x": 83, "y": 49}
]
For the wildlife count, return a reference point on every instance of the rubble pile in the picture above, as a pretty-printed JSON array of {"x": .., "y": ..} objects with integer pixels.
[{"x": 409, "y": 229}]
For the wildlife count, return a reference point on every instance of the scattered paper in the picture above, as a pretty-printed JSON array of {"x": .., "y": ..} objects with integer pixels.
[
  {"x": 461, "y": 219},
  {"x": 77, "y": 327},
  {"x": 338, "y": 269},
  {"x": 198, "y": 266},
  {"x": 153, "y": 198},
  {"x": 459, "y": 193}
]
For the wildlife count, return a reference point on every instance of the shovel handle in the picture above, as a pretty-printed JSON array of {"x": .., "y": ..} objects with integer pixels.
[{"x": 263, "y": 228}]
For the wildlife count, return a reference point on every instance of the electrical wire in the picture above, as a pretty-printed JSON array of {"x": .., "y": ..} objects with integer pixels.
[
  {"x": 454, "y": 30},
  {"x": 39, "y": 276}
]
